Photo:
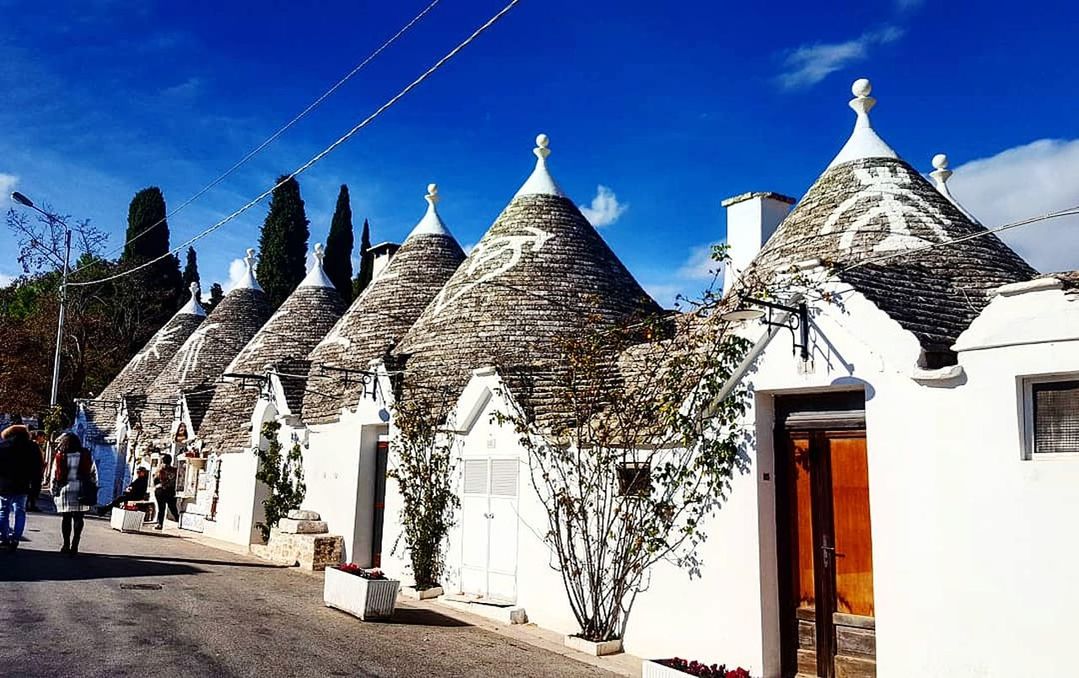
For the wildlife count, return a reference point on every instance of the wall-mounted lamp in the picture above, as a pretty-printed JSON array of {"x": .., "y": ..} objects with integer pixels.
[{"x": 800, "y": 313}]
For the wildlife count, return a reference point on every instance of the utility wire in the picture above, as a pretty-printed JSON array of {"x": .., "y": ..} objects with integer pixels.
[
  {"x": 273, "y": 137},
  {"x": 322, "y": 154}
]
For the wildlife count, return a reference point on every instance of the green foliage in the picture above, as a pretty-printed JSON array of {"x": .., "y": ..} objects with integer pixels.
[
  {"x": 338, "y": 260},
  {"x": 191, "y": 272},
  {"x": 423, "y": 467},
  {"x": 216, "y": 295},
  {"x": 283, "y": 243},
  {"x": 156, "y": 289},
  {"x": 283, "y": 475},
  {"x": 367, "y": 263}
]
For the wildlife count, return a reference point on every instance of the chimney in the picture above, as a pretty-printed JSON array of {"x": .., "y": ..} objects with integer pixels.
[
  {"x": 380, "y": 257},
  {"x": 751, "y": 220}
]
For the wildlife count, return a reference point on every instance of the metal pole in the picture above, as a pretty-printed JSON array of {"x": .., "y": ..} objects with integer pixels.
[{"x": 60, "y": 323}]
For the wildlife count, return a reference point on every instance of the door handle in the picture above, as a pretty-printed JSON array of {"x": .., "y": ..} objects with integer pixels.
[{"x": 827, "y": 552}]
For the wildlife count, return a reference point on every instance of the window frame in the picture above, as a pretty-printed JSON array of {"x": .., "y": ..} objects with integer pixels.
[
  {"x": 1027, "y": 384},
  {"x": 645, "y": 482}
]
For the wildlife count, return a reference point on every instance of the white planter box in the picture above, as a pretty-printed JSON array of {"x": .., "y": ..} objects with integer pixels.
[
  {"x": 594, "y": 649},
  {"x": 651, "y": 669},
  {"x": 126, "y": 521},
  {"x": 363, "y": 598}
]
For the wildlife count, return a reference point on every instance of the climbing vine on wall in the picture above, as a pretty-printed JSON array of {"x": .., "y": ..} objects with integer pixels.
[{"x": 282, "y": 473}]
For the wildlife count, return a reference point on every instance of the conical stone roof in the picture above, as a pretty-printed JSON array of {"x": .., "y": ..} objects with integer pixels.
[
  {"x": 539, "y": 273},
  {"x": 147, "y": 364},
  {"x": 289, "y": 335},
  {"x": 378, "y": 319},
  {"x": 872, "y": 209},
  {"x": 206, "y": 353}
]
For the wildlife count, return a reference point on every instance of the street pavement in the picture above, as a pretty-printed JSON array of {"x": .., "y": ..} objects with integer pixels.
[{"x": 153, "y": 604}]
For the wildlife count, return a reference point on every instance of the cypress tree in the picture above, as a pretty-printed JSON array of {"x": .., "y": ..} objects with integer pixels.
[
  {"x": 191, "y": 272},
  {"x": 216, "y": 295},
  {"x": 283, "y": 243},
  {"x": 367, "y": 263},
  {"x": 338, "y": 260},
  {"x": 158, "y": 286}
]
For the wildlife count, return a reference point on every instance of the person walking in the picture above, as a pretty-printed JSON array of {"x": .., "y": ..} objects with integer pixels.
[
  {"x": 165, "y": 491},
  {"x": 74, "y": 485},
  {"x": 20, "y": 465}
]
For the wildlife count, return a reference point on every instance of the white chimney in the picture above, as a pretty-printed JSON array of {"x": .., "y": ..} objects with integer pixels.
[
  {"x": 751, "y": 220},
  {"x": 380, "y": 257}
]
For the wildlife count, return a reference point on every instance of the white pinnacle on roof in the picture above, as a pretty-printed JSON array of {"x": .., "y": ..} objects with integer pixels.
[
  {"x": 317, "y": 277},
  {"x": 193, "y": 307},
  {"x": 863, "y": 142},
  {"x": 431, "y": 223},
  {"x": 248, "y": 280},
  {"x": 540, "y": 182},
  {"x": 940, "y": 175}
]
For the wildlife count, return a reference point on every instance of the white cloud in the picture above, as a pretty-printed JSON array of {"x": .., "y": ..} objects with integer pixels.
[
  {"x": 699, "y": 265},
  {"x": 7, "y": 185},
  {"x": 6, "y": 279},
  {"x": 605, "y": 208},
  {"x": 809, "y": 64},
  {"x": 1026, "y": 181},
  {"x": 237, "y": 273},
  {"x": 184, "y": 90},
  {"x": 690, "y": 280}
]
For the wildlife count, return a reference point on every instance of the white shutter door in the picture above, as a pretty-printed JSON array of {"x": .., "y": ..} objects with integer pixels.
[
  {"x": 474, "y": 527},
  {"x": 502, "y": 567}
]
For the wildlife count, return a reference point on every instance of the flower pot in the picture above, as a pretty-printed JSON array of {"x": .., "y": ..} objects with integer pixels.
[
  {"x": 126, "y": 521},
  {"x": 421, "y": 594},
  {"x": 595, "y": 649},
  {"x": 651, "y": 669},
  {"x": 363, "y": 598}
]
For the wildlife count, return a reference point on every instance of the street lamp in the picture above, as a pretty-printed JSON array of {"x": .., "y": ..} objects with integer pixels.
[
  {"x": 23, "y": 200},
  {"x": 798, "y": 312}
]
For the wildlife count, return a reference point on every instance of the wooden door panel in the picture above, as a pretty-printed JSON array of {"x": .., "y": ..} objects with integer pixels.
[
  {"x": 850, "y": 514},
  {"x": 805, "y": 594}
]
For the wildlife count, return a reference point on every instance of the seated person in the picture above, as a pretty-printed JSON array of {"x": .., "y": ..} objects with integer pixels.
[{"x": 137, "y": 490}]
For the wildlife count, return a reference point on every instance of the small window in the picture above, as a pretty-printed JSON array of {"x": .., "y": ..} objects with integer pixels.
[
  {"x": 1054, "y": 417},
  {"x": 634, "y": 479}
]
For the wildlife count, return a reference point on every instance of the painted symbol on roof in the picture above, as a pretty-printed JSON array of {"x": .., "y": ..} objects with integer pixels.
[
  {"x": 192, "y": 348},
  {"x": 888, "y": 188},
  {"x": 491, "y": 259},
  {"x": 161, "y": 340}
]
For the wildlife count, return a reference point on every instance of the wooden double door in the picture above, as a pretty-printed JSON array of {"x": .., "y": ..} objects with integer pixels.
[{"x": 825, "y": 552}]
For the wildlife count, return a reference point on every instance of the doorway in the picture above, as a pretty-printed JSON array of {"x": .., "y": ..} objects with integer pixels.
[
  {"x": 825, "y": 544},
  {"x": 489, "y": 529}
]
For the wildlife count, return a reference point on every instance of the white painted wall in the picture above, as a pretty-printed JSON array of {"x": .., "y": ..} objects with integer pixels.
[
  {"x": 751, "y": 220},
  {"x": 239, "y": 503}
]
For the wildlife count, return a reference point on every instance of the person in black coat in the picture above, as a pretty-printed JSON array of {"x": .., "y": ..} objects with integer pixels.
[
  {"x": 137, "y": 490},
  {"x": 20, "y": 466}
]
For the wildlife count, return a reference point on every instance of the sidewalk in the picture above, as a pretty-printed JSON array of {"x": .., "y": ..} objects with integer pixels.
[{"x": 621, "y": 664}]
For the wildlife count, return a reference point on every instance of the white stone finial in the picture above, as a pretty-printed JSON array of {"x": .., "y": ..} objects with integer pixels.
[
  {"x": 193, "y": 307},
  {"x": 940, "y": 176},
  {"x": 540, "y": 182},
  {"x": 249, "y": 281},
  {"x": 431, "y": 223},
  {"x": 863, "y": 141},
  {"x": 316, "y": 277}
]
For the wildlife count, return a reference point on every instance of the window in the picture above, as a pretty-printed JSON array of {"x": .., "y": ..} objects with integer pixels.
[
  {"x": 634, "y": 479},
  {"x": 1052, "y": 417}
]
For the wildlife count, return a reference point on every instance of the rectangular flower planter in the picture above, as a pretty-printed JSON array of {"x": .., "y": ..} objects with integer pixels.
[
  {"x": 595, "y": 649},
  {"x": 363, "y": 598},
  {"x": 126, "y": 521},
  {"x": 651, "y": 669}
]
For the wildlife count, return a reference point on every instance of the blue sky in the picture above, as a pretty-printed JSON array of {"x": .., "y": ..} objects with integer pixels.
[{"x": 670, "y": 106}]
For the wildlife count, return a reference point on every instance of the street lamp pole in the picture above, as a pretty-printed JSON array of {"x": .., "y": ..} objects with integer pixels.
[{"x": 23, "y": 200}]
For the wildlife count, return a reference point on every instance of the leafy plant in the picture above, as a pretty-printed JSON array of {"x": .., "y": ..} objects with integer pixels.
[
  {"x": 283, "y": 475},
  {"x": 423, "y": 467},
  {"x": 695, "y": 668}
]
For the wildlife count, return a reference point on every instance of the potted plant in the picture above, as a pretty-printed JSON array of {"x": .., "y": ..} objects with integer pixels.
[
  {"x": 678, "y": 667},
  {"x": 127, "y": 518},
  {"x": 366, "y": 594}
]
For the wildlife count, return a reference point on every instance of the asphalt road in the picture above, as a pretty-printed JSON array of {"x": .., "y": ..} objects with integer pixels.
[{"x": 157, "y": 605}]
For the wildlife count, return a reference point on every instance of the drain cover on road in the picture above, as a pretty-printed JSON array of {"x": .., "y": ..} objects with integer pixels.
[{"x": 140, "y": 587}]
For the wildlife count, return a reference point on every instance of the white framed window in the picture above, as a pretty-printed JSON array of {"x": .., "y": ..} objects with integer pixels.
[{"x": 1051, "y": 417}]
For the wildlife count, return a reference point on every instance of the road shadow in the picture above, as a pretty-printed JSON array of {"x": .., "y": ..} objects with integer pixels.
[
  {"x": 415, "y": 616},
  {"x": 29, "y": 565}
]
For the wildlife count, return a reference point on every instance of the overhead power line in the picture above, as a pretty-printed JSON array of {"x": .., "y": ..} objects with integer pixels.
[
  {"x": 322, "y": 154},
  {"x": 273, "y": 137}
]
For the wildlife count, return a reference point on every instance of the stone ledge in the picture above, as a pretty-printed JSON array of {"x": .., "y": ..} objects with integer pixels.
[
  {"x": 290, "y": 526},
  {"x": 313, "y": 552}
]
